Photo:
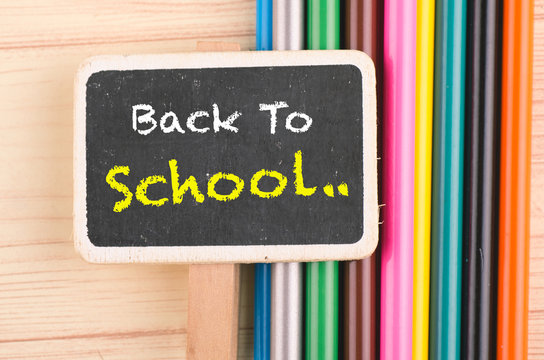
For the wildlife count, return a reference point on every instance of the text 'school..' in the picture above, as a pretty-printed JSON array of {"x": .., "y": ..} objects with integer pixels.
[{"x": 144, "y": 123}]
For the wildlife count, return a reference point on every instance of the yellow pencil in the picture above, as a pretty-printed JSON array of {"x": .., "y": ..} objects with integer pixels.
[{"x": 422, "y": 181}]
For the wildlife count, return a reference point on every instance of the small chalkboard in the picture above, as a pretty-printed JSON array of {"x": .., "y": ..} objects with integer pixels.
[{"x": 226, "y": 157}]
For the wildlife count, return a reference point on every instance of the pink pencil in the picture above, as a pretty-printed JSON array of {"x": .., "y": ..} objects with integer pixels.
[{"x": 399, "y": 69}]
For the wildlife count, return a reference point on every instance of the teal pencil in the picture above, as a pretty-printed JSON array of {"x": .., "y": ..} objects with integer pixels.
[{"x": 447, "y": 180}]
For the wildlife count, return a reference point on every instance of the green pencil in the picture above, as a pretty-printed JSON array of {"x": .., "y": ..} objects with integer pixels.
[
  {"x": 447, "y": 180},
  {"x": 322, "y": 310},
  {"x": 322, "y": 277},
  {"x": 323, "y": 24}
]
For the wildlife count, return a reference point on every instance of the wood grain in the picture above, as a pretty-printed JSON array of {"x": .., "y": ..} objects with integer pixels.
[
  {"x": 53, "y": 305},
  {"x": 536, "y": 279}
]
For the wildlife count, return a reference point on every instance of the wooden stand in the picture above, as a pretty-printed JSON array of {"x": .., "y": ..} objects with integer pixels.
[{"x": 212, "y": 324}]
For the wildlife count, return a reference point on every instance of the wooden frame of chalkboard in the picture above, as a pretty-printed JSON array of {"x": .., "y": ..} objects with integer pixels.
[{"x": 233, "y": 157}]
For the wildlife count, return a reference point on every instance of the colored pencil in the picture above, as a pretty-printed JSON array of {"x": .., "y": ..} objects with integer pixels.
[
  {"x": 364, "y": 31},
  {"x": 264, "y": 25},
  {"x": 288, "y": 25},
  {"x": 261, "y": 321},
  {"x": 323, "y": 24},
  {"x": 447, "y": 183},
  {"x": 481, "y": 201},
  {"x": 397, "y": 256},
  {"x": 322, "y": 310},
  {"x": 422, "y": 177},
  {"x": 360, "y": 310},
  {"x": 286, "y": 311},
  {"x": 322, "y": 277},
  {"x": 286, "y": 308},
  {"x": 513, "y": 273}
]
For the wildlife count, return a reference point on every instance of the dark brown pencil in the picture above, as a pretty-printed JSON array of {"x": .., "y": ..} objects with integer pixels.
[
  {"x": 363, "y": 31},
  {"x": 360, "y": 332}
]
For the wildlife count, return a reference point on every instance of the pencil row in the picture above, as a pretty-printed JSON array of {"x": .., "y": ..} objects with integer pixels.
[{"x": 450, "y": 279}]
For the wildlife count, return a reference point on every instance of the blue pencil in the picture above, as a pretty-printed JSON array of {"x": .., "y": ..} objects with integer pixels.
[
  {"x": 264, "y": 25},
  {"x": 261, "y": 339},
  {"x": 261, "y": 325}
]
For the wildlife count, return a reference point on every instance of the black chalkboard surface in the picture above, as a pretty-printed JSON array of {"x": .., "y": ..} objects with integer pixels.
[{"x": 226, "y": 157}]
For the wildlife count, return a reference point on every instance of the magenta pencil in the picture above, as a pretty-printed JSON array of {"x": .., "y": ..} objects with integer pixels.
[{"x": 399, "y": 69}]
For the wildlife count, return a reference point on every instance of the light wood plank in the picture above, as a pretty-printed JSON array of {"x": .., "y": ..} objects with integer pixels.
[
  {"x": 536, "y": 280},
  {"x": 53, "y": 305}
]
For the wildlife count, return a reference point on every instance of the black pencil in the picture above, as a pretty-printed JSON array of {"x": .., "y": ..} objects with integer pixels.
[{"x": 481, "y": 202}]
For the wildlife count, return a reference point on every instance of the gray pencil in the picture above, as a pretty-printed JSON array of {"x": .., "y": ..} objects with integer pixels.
[
  {"x": 286, "y": 311},
  {"x": 286, "y": 308},
  {"x": 288, "y": 25}
]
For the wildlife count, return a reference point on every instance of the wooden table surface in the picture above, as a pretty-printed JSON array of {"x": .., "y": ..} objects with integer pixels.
[{"x": 53, "y": 305}]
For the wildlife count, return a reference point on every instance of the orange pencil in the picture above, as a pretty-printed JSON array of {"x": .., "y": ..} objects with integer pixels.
[{"x": 513, "y": 275}]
